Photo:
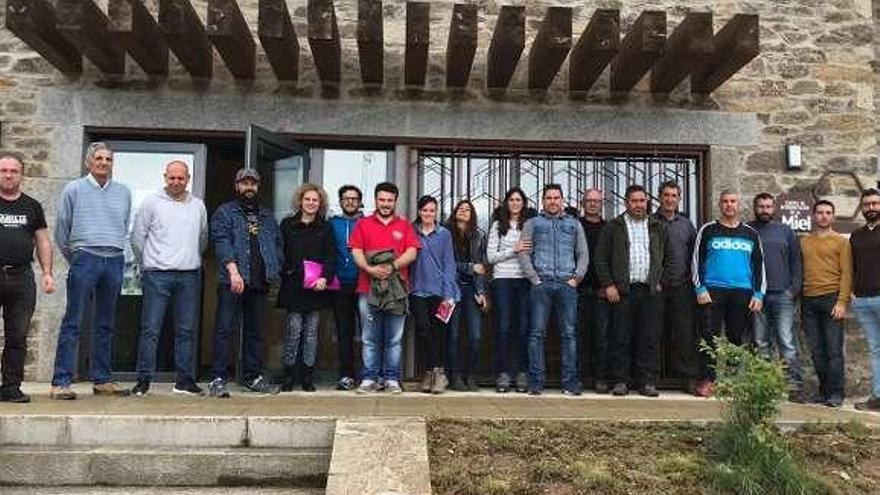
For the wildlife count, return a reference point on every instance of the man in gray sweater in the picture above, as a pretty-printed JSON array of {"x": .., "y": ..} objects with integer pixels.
[
  {"x": 90, "y": 232},
  {"x": 170, "y": 233}
]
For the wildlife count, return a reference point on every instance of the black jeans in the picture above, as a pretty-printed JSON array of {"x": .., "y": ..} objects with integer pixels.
[
  {"x": 825, "y": 338},
  {"x": 636, "y": 336},
  {"x": 430, "y": 330},
  {"x": 677, "y": 308},
  {"x": 729, "y": 309},
  {"x": 593, "y": 322},
  {"x": 248, "y": 312},
  {"x": 18, "y": 295},
  {"x": 345, "y": 313}
]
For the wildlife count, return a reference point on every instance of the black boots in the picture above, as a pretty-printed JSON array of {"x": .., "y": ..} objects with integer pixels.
[
  {"x": 288, "y": 379},
  {"x": 308, "y": 379}
]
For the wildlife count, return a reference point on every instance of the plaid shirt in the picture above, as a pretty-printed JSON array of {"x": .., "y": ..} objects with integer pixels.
[{"x": 639, "y": 249}]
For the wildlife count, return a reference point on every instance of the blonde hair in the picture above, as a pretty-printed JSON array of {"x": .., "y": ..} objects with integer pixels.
[{"x": 301, "y": 192}]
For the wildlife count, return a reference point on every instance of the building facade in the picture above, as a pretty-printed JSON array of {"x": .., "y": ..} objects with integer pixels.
[{"x": 443, "y": 99}]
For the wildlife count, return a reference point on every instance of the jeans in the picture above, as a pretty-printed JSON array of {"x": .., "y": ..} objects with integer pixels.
[
  {"x": 301, "y": 328},
  {"x": 593, "y": 318},
  {"x": 729, "y": 309},
  {"x": 677, "y": 309},
  {"x": 345, "y": 313},
  {"x": 430, "y": 331},
  {"x": 825, "y": 337},
  {"x": 248, "y": 312},
  {"x": 89, "y": 275},
  {"x": 774, "y": 332},
  {"x": 636, "y": 348},
  {"x": 18, "y": 295},
  {"x": 467, "y": 311},
  {"x": 182, "y": 289},
  {"x": 867, "y": 310},
  {"x": 512, "y": 318},
  {"x": 562, "y": 297},
  {"x": 382, "y": 334}
]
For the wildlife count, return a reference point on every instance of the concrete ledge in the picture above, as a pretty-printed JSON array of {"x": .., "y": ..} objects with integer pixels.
[
  {"x": 375, "y": 456},
  {"x": 151, "y": 467},
  {"x": 304, "y": 433}
]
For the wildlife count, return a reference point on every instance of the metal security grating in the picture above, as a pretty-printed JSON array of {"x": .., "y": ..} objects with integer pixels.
[{"x": 484, "y": 177}]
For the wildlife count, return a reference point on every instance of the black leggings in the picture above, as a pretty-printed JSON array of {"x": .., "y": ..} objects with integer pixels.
[{"x": 431, "y": 332}]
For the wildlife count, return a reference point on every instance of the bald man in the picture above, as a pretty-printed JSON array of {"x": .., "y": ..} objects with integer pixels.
[{"x": 169, "y": 236}]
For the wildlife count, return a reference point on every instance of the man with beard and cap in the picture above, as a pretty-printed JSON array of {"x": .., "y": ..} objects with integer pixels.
[
  {"x": 865, "y": 243},
  {"x": 774, "y": 324},
  {"x": 247, "y": 242}
]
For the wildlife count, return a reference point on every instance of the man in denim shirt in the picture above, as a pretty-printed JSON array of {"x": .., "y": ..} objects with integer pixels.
[
  {"x": 554, "y": 265},
  {"x": 248, "y": 247}
]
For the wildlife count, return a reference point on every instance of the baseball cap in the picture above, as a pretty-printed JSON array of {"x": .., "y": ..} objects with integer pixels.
[{"x": 247, "y": 173}]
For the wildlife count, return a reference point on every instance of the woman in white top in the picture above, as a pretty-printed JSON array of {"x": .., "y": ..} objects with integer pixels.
[{"x": 511, "y": 292}]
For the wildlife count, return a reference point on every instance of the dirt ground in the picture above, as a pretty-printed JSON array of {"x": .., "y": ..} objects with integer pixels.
[{"x": 580, "y": 457}]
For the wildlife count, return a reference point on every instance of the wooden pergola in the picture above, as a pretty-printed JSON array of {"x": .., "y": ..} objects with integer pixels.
[{"x": 64, "y": 31}]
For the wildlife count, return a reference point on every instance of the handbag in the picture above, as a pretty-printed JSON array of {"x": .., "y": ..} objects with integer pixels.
[{"x": 312, "y": 271}]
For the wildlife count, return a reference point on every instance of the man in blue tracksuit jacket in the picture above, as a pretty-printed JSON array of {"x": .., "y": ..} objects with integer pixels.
[
  {"x": 774, "y": 325},
  {"x": 728, "y": 271},
  {"x": 346, "y": 308}
]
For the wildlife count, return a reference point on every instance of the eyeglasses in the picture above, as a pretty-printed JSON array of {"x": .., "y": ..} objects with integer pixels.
[{"x": 350, "y": 198}]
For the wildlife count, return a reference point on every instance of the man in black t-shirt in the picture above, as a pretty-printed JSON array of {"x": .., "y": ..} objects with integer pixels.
[{"x": 22, "y": 226}]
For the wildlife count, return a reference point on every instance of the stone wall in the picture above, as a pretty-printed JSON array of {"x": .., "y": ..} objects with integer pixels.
[{"x": 813, "y": 84}]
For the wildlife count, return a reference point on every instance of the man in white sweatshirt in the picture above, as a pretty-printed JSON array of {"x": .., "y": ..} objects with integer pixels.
[{"x": 170, "y": 234}]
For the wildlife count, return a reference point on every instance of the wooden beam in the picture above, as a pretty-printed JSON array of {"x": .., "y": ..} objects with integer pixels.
[
  {"x": 371, "y": 42},
  {"x": 85, "y": 25},
  {"x": 643, "y": 45},
  {"x": 550, "y": 48},
  {"x": 736, "y": 44},
  {"x": 508, "y": 43},
  {"x": 689, "y": 46},
  {"x": 462, "y": 45},
  {"x": 34, "y": 22},
  {"x": 229, "y": 32},
  {"x": 278, "y": 37},
  {"x": 324, "y": 42},
  {"x": 418, "y": 31},
  {"x": 133, "y": 27},
  {"x": 594, "y": 50},
  {"x": 185, "y": 35}
]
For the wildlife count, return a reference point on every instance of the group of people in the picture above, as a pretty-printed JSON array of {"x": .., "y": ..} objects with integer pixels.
[{"x": 618, "y": 287}]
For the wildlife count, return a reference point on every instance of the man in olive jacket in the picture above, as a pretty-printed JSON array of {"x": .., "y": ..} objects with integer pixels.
[{"x": 629, "y": 263}]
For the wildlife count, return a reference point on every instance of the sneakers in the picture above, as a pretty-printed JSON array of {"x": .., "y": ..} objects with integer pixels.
[
  {"x": 458, "y": 384},
  {"x": 393, "y": 387},
  {"x": 368, "y": 386},
  {"x": 535, "y": 391},
  {"x": 472, "y": 385},
  {"x": 872, "y": 404},
  {"x": 649, "y": 390},
  {"x": 797, "y": 397},
  {"x": 141, "y": 388},
  {"x": 620, "y": 389},
  {"x": 13, "y": 394},
  {"x": 62, "y": 393},
  {"x": 427, "y": 382},
  {"x": 440, "y": 381},
  {"x": 110, "y": 389},
  {"x": 522, "y": 382},
  {"x": 217, "y": 388},
  {"x": 187, "y": 387},
  {"x": 572, "y": 392},
  {"x": 502, "y": 383},
  {"x": 705, "y": 388},
  {"x": 834, "y": 400},
  {"x": 346, "y": 383},
  {"x": 259, "y": 385}
]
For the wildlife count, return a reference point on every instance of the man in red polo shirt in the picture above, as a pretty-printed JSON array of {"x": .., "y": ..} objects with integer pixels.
[{"x": 382, "y": 245}]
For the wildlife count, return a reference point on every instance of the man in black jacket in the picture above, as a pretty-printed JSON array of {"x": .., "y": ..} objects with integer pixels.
[
  {"x": 592, "y": 306},
  {"x": 629, "y": 263}
]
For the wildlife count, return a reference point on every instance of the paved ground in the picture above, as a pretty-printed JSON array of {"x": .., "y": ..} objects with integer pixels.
[
  {"x": 157, "y": 490},
  {"x": 671, "y": 406}
]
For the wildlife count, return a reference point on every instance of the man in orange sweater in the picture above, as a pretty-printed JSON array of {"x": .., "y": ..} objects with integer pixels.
[{"x": 827, "y": 290}]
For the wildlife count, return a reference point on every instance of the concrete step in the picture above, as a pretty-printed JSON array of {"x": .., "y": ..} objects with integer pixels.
[
  {"x": 166, "y": 431},
  {"x": 156, "y": 490},
  {"x": 151, "y": 466}
]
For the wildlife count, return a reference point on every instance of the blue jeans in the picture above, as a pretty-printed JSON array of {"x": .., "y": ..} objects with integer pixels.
[
  {"x": 183, "y": 290},
  {"x": 89, "y": 275},
  {"x": 825, "y": 337},
  {"x": 248, "y": 312},
  {"x": 867, "y": 310},
  {"x": 774, "y": 332},
  {"x": 545, "y": 297},
  {"x": 466, "y": 311},
  {"x": 513, "y": 310},
  {"x": 382, "y": 334}
]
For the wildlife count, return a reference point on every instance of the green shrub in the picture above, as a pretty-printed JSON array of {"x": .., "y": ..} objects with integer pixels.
[{"x": 748, "y": 456}]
